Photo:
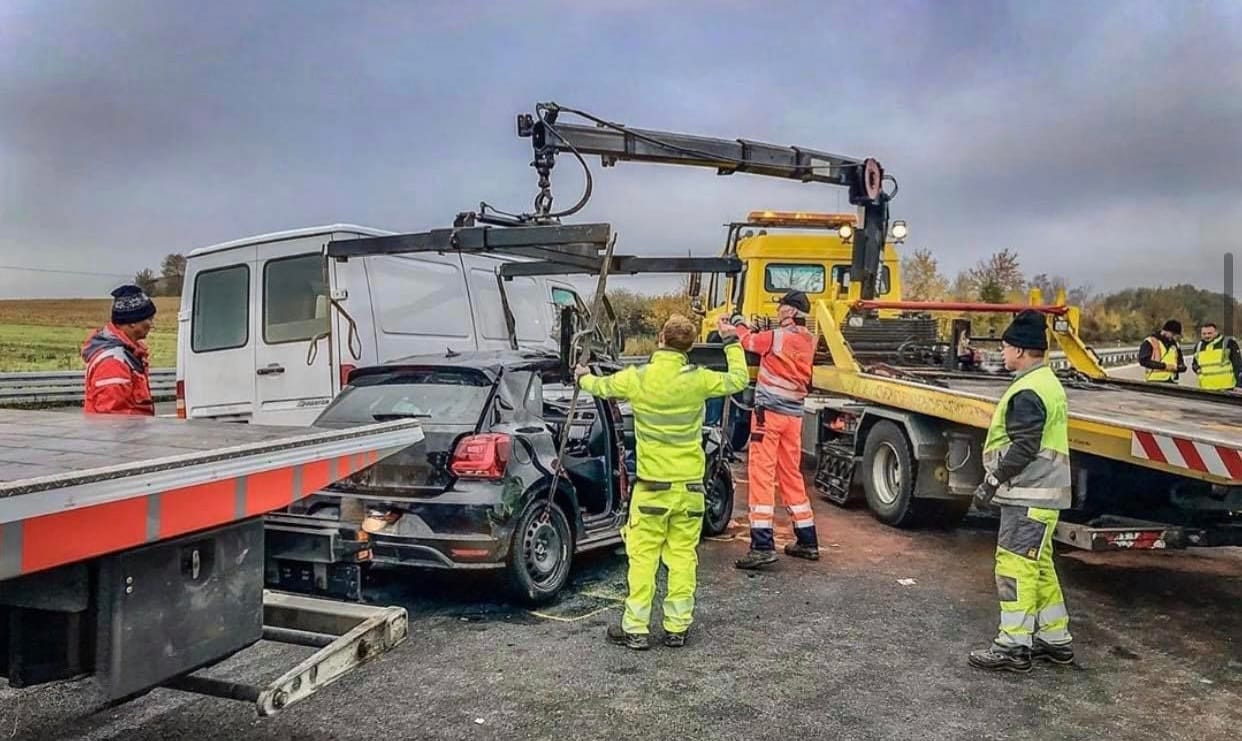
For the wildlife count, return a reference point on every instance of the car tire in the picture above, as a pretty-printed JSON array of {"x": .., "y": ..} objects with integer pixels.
[
  {"x": 718, "y": 512},
  {"x": 541, "y": 553}
]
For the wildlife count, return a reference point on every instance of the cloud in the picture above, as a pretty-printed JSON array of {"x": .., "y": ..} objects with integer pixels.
[{"x": 1101, "y": 141}]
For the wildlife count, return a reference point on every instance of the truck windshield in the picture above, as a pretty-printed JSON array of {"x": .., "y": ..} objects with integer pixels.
[
  {"x": 805, "y": 278},
  {"x": 454, "y": 396}
]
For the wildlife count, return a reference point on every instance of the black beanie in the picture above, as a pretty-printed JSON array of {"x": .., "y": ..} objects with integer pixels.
[
  {"x": 1172, "y": 326},
  {"x": 796, "y": 299},
  {"x": 1028, "y": 331},
  {"x": 130, "y": 305}
]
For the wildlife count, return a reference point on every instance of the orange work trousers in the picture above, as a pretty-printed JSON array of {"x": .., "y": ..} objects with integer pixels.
[{"x": 776, "y": 462}]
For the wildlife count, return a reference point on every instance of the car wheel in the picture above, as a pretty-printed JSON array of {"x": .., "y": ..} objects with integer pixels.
[
  {"x": 718, "y": 511},
  {"x": 541, "y": 554}
]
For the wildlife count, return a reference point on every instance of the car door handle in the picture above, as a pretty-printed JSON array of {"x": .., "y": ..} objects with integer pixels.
[{"x": 271, "y": 370}]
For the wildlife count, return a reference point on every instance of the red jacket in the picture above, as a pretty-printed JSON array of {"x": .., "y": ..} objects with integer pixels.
[
  {"x": 117, "y": 379},
  {"x": 785, "y": 359}
]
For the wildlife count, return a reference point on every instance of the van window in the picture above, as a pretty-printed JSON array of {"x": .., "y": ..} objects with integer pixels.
[
  {"x": 419, "y": 297},
  {"x": 489, "y": 315},
  {"x": 221, "y": 313},
  {"x": 528, "y": 301},
  {"x": 841, "y": 276},
  {"x": 805, "y": 278},
  {"x": 295, "y": 298},
  {"x": 563, "y": 297}
]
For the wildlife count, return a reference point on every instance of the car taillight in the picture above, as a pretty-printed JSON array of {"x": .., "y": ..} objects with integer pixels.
[
  {"x": 180, "y": 399},
  {"x": 481, "y": 456},
  {"x": 345, "y": 371}
]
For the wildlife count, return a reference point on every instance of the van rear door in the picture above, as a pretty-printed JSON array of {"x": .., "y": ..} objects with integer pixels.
[
  {"x": 216, "y": 362},
  {"x": 292, "y": 373}
]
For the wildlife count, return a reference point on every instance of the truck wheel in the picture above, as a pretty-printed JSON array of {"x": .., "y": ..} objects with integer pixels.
[
  {"x": 541, "y": 554},
  {"x": 719, "y": 500},
  {"x": 888, "y": 475}
]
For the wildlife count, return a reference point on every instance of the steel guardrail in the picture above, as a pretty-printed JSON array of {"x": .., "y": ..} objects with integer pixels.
[{"x": 48, "y": 388}]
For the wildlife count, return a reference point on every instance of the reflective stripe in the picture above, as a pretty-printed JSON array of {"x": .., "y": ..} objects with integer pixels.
[
  {"x": 771, "y": 379},
  {"x": 667, "y": 438},
  {"x": 670, "y": 419},
  {"x": 1017, "y": 621},
  {"x": 760, "y": 524},
  {"x": 679, "y": 607},
  {"x": 778, "y": 339},
  {"x": 1009, "y": 640},
  {"x": 1058, "y": 637},
  {"x": 763, "y": 509},
  {"x": 800, "y": 508},
  {"x": 804, "y": 525},
  {"x": 1052, "y": 614},
  {"x": 113, "y": 382},
  {"x": 112, "y": 352}
]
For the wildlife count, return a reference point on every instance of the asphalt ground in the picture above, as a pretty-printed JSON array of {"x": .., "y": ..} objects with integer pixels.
[{"x": 868, "y": 643}]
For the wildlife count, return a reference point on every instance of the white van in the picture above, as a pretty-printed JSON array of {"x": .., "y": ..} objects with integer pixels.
[{"x": 270, "y": 327}]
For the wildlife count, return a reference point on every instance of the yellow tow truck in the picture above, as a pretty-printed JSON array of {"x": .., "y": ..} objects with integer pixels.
[{"x": 792, "y": 250}]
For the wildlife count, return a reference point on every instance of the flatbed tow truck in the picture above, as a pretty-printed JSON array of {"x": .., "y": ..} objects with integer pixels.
[
  {"x": 131, "y": 550},
  {"x": 1155, "y": 466}
]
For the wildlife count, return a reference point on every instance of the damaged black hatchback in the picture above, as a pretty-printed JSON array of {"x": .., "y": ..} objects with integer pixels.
[{"x": 481, "y": 491}]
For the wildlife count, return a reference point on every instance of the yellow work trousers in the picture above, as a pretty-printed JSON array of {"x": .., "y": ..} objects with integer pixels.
[
  {"x": 664, "y": 525},
  {"x": 1031, "y": 602}
]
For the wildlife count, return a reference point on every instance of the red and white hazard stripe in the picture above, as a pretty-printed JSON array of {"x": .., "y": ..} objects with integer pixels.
[{"x": 1217, "y": 460}]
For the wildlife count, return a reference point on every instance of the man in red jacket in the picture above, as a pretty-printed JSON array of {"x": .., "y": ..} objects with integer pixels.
[
  {"x": 785, "y": 358},
  {"x": 117, "y": 379}
]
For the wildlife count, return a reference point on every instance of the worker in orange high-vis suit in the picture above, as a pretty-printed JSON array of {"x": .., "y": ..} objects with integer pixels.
[
  {"x": 117, "y": 371},
  {"x": 785, "y": 358}
]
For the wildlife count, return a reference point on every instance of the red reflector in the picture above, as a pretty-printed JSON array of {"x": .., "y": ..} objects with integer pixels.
[
  {"x": 345, "y": 371},
  {"x": 469, "y": 552},
  {"x": 481, "y": 456},
  {"x": 180, "y": 399}
]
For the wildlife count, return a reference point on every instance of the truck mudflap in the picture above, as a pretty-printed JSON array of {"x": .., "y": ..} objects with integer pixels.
[
  {"x": 1110, "y": 533},
  {"x": 346, "y": 635}
]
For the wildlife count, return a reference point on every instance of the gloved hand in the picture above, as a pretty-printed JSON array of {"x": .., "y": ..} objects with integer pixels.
[
  {"x": 725, "y": 329},
  {"x": 737, "y": 320},
  {"x": 985, "y": 491},
  {"x": 580, "y": 371}
]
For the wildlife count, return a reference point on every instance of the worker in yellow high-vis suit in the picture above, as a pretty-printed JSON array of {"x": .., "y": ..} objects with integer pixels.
[
  {"x": 1218, "y": 360},
  {"x": 1026, "y": 457},
  {"x": 667, "y": 504}
]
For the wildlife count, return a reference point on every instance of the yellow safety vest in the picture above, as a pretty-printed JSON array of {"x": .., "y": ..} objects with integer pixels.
[
  {"x": 1215, "y": 366},
  {"x": 1046, "y": 481},
  {"x": 667, "y": 397},
  {"x": 1167, "y": 355}
]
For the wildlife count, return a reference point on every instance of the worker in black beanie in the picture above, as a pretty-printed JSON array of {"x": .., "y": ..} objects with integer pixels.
[
  {"x": 117, "y": 368},
  {"x": 1027, "y": 472}
]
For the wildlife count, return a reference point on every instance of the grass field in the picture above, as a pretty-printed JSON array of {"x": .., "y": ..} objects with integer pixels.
[{"x": 47, "y": 334}]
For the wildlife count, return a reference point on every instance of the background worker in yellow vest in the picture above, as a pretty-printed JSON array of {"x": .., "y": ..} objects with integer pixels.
[
  {"x": 1026, "y": 457},
  {"x": 1161, "y": 355},
  {"x": 666, "y": 509},
  {"x": 1217, "y": 360}
]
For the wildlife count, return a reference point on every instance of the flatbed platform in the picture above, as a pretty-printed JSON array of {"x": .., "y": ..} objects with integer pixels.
[
  {"x": 76, "y": 486},
  {"x": 1185, "y": 433}
]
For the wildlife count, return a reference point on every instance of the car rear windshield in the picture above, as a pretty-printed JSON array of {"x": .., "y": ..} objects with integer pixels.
[{"x": 454, "y": 396}]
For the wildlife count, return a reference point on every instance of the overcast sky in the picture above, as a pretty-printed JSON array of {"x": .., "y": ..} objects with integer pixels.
[{"x": 1101, "y": 141}]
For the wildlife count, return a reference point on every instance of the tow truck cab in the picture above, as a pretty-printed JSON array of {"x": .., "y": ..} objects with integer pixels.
[{"x": 785, "y": 250}]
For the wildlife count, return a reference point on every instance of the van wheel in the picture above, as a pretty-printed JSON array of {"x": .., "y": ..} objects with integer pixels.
[
  {"x": 718, "y": 512},
  {"x": 541, "y": 554}
]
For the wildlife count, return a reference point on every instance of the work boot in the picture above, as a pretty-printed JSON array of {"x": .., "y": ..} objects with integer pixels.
[
  {"x": 1057, "y": 654},
  {"x": 995, "y": 658},
  {"x": 755, "y": 560},
  {"x": 800, "y": 550},
  {"x": 635, "y": 641},
  {"x": 673, "y": 639}
]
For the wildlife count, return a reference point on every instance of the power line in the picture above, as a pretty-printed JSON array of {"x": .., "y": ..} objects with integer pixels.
[{"x": 64, "y": 272}]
